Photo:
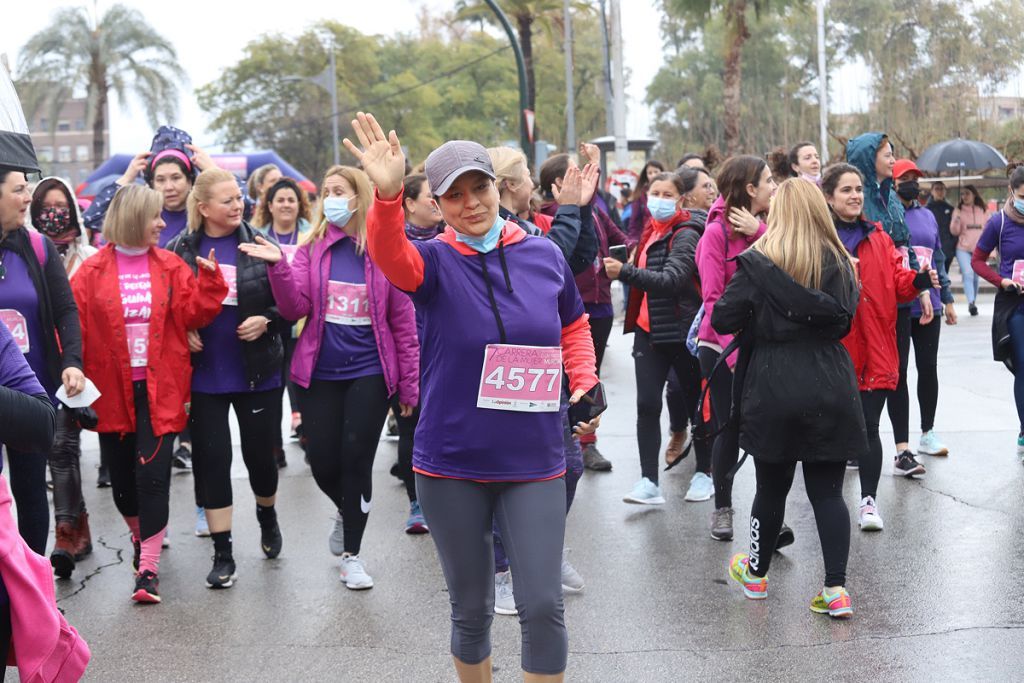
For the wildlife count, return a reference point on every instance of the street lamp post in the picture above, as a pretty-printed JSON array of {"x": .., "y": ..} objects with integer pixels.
[
  {"x": 524, "y": 100},
  {"x": 327, "y": 80}
]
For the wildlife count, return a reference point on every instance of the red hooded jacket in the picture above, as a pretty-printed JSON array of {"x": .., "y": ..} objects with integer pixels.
[
  {"x": 884, "y": 283},
  {"x": 181, "y": 302}
]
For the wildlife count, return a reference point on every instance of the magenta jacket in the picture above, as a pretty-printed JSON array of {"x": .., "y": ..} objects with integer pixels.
[
  {"x": 43, "y": 646},
  {"x": 715, "y": 252},
  {"x": 300, "y": 290}
]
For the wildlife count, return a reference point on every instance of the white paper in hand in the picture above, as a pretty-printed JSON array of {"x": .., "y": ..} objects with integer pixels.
[{"x": 82, "y": 400}]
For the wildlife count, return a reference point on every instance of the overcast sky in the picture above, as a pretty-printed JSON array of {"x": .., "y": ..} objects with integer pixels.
[{"x": 210, "y": 36}]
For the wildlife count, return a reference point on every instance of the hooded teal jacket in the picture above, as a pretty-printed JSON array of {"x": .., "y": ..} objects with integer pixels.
[{"x": 881, "y": 204}]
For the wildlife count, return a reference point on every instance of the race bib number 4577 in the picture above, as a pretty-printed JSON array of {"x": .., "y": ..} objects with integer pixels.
[{"x": 521, "y": 378}]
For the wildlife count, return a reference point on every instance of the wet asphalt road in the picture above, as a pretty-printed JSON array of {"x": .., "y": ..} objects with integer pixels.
[{"x": 935, "y": 592}]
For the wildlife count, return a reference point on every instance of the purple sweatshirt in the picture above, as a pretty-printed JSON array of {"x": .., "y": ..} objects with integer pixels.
[
  {"x": 300, "y": 289},
  {"x": 924, "y": 239},
  {"x": 19, "y": 306}
]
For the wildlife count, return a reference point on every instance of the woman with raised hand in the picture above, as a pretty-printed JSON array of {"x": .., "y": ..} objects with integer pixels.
[
  {"x": 357, "y": 350},
  {"x": 236, "y": 364},
  {"x": 793, "y": 297},
  {"x": 137, "y": 304},
  {"x": 501, "y": 316}
]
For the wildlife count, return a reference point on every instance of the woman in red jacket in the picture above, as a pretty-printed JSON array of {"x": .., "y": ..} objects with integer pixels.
[
  {"x": 136, "y": 303},
  {"x": 884, "y": 282}
]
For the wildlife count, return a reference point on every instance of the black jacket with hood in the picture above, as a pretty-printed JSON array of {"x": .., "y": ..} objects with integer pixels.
[{"x": 799, "y": 399}]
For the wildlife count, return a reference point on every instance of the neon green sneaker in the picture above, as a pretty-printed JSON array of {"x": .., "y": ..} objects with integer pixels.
[
  {"x": 755, "y": 588},
  {"x": 838, "y": 605}
]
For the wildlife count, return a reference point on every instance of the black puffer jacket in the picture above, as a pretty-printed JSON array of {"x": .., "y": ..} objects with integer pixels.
[
  {"x": 799, "y": 399},
  {"x": 669, "y": 279},
  {"x": 264, "y": 356}
]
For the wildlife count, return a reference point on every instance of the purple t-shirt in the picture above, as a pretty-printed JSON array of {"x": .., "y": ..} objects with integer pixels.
[
  {"x": 15, "y": 373},
  {"x": 454, "y": 437},
  {"x": 924, "y": 238},
  {"x": 176, "y": 222},
  {"x": 349, "y": 349},
  {"x": 1010, "y": 244},
  {"x": 19, "y": 309},
  {"x": 220, "y": 367}
]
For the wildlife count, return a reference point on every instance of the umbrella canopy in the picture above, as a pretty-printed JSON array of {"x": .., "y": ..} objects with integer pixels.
[
  {"x": 960, "y": 155},
  {"x": 16, "y": 149}
]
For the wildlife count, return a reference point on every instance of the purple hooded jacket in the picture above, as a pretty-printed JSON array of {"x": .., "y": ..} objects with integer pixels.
[{"x": 300, "y": 291}]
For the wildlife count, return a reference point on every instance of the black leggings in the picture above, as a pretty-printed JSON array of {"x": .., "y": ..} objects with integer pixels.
[
  {"x": 725, "y": 452},
  {"x": 65, "y": 456},
  {"x": 289, "y": 350},
  {"x": 211, "y": 443},
  {"x": 899, "y": 400},
  {"x": 926, "y": 352},
  {"x": 675, "y": 401},
  {"x": 28, "y": 487},
  {"x": 870, "y": 463},
  {"x": 600, "y": 330},
  {"x": 824, "y": 484},
  {"x": 652, "y": 364},
  {"x": 406, "y": 434},
  {"x": 140, "y": 469},
  {"x": 342, "y": 420}
]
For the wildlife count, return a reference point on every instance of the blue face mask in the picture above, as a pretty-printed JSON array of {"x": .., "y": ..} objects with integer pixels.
[
  {"x": 337, "y": 211},
  {"x": 661, "y": 209},
  {"x": 1019, "y": 205},
  {"x": 486, "y": 242}
]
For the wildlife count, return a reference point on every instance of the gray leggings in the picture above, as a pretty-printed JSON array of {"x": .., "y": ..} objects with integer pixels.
[{"x": 531, "y": 516}]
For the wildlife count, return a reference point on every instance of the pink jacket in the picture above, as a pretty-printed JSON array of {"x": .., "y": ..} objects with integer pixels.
[
  {"x": 967, "y": 224},
  {"x": 43, "y": 646},
  {"x": 714, "y": 251},
  {"x": 300, "y": 290}
]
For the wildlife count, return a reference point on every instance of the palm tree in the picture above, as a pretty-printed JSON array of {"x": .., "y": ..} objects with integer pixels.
[
  {"x": 118, "y": 52},
  {"x": 738, "y": 32}
]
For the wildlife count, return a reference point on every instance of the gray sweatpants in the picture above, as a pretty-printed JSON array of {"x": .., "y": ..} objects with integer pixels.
[{"x": 531, "y": 516}]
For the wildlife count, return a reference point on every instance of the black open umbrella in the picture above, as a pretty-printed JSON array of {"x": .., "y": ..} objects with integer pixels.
[
  {"x": 960, "y": 155},
  {"x": 16, "y": 149}
]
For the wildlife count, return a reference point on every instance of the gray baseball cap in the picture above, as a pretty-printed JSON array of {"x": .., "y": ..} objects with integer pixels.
[{"x": 455, "y": 157}]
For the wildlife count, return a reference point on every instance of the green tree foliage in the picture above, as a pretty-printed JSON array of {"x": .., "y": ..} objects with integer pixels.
[
  {"x": 450, "y": 80},
  {"x": 120, "y": 52}
]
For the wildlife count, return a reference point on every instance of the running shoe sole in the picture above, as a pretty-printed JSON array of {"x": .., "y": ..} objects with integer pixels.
[
  {"x": 145, "y": 597},
  {"x": 417, "y": 529},
  {"x": 871, "y": 525},
  {"x": 226, "y": 584},
  {"x": 918, "y": 471},
  {"x": 695, "y": 499},
  {"x": 721, "y": 536},
  {"x": 357, "y": 586},
  {"x": 751, "y": 595},
  {"x": 657, "y": 500},
  {"x": 841, "y": 613},
  {"x": 505, "y": 612},
  {"x": 852, "y": 465},
  {"x": 570, "y": 589},
  {"x": 941, "y": 452}
]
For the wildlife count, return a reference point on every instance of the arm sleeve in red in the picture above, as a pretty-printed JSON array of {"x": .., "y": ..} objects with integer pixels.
[
  {"x": 389, "y": 248},
  {"x": 578, "y": 355}
]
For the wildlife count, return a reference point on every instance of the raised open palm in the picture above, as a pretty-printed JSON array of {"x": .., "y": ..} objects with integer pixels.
[{"x": 381, "y": 155}]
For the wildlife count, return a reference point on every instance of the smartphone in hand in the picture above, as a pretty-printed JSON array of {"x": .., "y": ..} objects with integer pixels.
[{"x": 619, "y": 252}]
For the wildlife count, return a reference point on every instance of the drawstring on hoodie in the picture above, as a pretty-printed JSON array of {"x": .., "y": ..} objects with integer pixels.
[{"x": 490, "y": 288}]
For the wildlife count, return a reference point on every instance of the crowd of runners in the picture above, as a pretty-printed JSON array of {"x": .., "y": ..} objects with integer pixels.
[{"x": 772, "y": 308}]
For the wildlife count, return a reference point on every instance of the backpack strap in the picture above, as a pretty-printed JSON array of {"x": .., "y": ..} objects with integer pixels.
[{"x": 38, "y": 246}]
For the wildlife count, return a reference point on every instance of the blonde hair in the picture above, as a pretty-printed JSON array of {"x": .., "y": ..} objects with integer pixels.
[
  {"x": 202, "y": 193},
  {"x": 256, "y": 179},
  {"x": 508, "y": 164},
  {"x": 360, "y": 182},
  {"x": 800, "y": 233},
  {"x": 130, "y": 214}
]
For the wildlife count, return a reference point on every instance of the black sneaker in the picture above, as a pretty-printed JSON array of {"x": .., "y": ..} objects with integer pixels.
[
  {"x": 182, "y": 459},
  {"x": 103, "y": 478},
  {"x": 271, "y": 541},
  {"x": 280, "y": 458},
  {"x": 972, "y": 309},
  {"x": 147, "y": 586},
  {"x": 786, "y": 537},
  {"x": 223, "y": 573},
  {"x": 137, "y": 554},
  {"x": 907, "y": 466},
  {"x": 852, "y": 464}
]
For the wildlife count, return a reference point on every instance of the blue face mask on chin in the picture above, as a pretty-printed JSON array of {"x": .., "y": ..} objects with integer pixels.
[
  {"x": 337, "y": 211},
  {"x": 486, "y": 242},
  {"x": 661, "y": 209}
]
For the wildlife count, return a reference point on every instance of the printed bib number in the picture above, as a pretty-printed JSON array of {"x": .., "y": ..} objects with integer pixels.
[
  {"x": 906, "y": 257},
  {"x": 138, "y": 344},
  {"x": 347, "y": 304},
  {"x": 1018, "y": 277},
  {"x": 924, "y": 257},
  {"x": 525, "y": 379},
  {"x": 289, "y": 252},
  {"x": 231, "y": 278},
  {"x": 15, "y": 322}
]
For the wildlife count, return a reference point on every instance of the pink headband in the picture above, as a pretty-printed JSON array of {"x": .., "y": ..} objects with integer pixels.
[{"x": 177, "y": 154}]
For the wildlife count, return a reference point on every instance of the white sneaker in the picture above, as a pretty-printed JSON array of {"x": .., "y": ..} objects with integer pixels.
[
  {"x": 645, "y": 492},
  {"x": 504, "y": 600},
  {"x": 701, "y": 488},
  {"x": 870, "y": 520},
  {"x": 572, "y": 582},
  {"x": 930, "y": 445},
  {"x": 336, "y": 541},
  {"x": 353, "y": 573}
]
